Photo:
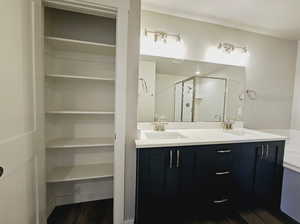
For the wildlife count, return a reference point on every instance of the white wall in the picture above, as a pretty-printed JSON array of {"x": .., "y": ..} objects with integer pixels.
[
  {"x": 270, "y": 69},
  {"x": 295, "y": 124},
  {"x": 18, "y": 126}
]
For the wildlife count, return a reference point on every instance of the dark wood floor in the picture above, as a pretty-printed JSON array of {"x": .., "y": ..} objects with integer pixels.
[
  {"x": 95, "y": 212},
  {"x": 101, "y": 212},
  {"x": 250, "y": 217}
]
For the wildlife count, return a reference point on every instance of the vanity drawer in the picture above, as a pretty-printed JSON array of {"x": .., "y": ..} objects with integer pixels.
[
  {"x": 224, "y": 159},
  {"x": 222, "y": 184},
  {"x": 221, "y": 206},
  {"x": 223, "y": 179}
]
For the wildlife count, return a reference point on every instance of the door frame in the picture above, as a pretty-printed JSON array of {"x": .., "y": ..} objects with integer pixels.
[{"x": 120, "y": 8}]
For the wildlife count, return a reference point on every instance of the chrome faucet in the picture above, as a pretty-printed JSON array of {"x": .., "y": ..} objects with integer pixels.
[
  {"x": 228, "y": 125},
  {"x": 159, "y": 124}
]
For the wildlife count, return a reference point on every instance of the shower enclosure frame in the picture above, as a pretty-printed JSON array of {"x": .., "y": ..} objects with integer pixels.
[{"x": 194, "y": 93}]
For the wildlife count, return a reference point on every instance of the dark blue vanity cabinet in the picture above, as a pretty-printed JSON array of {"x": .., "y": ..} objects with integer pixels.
[
  {"x": 178, "y": 184},
  {"x": 257, "y": 174},
  {"x": 158, "y": 184},
  {"x": 268, "y": 174}
]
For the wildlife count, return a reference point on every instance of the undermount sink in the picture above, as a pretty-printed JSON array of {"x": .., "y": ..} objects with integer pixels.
[
  {"x": 239, "y": 132},
  {"x": 236, "y": 132},
  {"x": 163, "y": 135}
]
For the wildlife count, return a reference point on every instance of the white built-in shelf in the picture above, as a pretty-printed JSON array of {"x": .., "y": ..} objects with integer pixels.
[
  {"x": 68, "y": 143},
  {"x": 79, "y": 77},
  {"x": 79, "y": 112},
  {"x": 81, "y": 46},
  {"x": 82, "y": 172}
]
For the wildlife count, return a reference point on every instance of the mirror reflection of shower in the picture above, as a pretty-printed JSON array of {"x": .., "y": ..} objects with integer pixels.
[
  {"x": 189, "y": 91},
  {"x": 200, "y": 99}
]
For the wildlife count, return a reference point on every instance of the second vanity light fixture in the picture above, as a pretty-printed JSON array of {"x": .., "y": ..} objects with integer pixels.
[
  {"x": 230, "y": 48},
  {"x": 162, "y": 36}
]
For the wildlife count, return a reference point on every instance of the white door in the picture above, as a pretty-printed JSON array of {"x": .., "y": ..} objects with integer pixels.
[{"x": 17, "y": 114}]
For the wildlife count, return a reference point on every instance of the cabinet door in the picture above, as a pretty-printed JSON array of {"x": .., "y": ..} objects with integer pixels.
[
  {"x": 268, "y": 176},
  {"x": 157, "y": 189}
]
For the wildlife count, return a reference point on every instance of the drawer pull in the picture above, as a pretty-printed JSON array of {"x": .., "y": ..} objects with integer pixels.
[
  {"x": 262, "y": 152},
  {"x": 221, "y": 201},
  {"x": 178, "y": 159},
  {"x": 171, "y": 159},
  {"x": 224, "y": 151},
  {"x": 267, "y": 150},
  {"x": 223, "y": 173}
]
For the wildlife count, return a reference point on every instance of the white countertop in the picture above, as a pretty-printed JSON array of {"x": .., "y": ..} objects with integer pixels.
[{"x": 204, "y": 137}]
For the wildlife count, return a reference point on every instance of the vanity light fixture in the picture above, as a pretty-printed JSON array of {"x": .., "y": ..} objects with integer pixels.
[
  {"x": 162, "y": 36},
  {"x": 229, "y": 48}
]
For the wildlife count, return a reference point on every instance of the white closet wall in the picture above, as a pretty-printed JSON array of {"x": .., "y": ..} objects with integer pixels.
[{"x": 80, "y": 106}]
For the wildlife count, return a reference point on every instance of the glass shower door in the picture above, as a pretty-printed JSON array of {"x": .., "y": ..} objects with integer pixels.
[{"x": 187, "y": 101}]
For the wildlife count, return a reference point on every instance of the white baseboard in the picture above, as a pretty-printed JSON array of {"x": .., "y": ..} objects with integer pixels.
[{"x": 129, "y": 221}]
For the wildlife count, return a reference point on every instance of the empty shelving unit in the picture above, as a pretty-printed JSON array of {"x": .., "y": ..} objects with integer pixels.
[{"x": 80, "y": 92}]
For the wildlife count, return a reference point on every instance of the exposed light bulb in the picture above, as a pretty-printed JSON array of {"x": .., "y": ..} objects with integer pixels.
[{"x": 197, "y": 70}]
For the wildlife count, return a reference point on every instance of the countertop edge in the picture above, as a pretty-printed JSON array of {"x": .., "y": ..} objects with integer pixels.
[{"x": 139, "y": 144}]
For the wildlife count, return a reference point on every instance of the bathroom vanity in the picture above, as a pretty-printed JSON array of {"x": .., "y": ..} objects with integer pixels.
[
  {"x": 195, "y": 171},
  {"x": 189, "y": 175}
]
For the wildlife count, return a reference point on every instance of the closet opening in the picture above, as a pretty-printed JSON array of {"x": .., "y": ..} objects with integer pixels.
[{"x": 79, "y": 60}]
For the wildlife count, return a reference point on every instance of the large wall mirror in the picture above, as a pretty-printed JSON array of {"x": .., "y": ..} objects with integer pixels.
[{"x": 189, "y": 91}]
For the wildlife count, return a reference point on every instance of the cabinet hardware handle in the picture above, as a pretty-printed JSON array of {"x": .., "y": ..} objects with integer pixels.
[
  {"x": 221, "y": 201},
  {"x": 262, "y": 152},
  {"x": 267, "y": 150},
  {"x": 171, "y": 159},
  {"x": 223, "y": 173},
  {"x": 224, "y": 151},
  {"x": 178, "y": 159}
]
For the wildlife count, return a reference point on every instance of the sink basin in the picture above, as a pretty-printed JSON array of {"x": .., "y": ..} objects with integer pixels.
[
  {"x": 163, "y": 135},
  {"x": 236, "y": 132},
  {"x": 241, "y": 132}
]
